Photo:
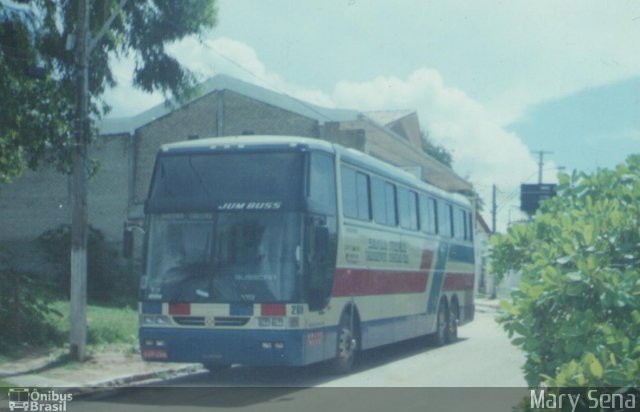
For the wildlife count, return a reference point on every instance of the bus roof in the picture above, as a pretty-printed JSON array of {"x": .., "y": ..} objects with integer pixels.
[
  {"x": 351, "y": 156},
  {"x": 239, "y": 142}
]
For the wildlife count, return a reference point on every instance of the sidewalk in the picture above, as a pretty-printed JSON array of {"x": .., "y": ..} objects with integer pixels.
[
  {"x": 111, "y": 367},
  {"x": 484, "y": 304}
]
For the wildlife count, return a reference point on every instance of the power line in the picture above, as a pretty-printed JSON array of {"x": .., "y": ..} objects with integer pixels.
[{"x": 238, "y": 65}]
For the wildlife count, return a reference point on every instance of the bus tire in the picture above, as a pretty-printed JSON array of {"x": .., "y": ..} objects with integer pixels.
[
  {"x": 452, "y": 322},
  {"x": 346, "y": 345},
  {"x": 441, "y": 336}
]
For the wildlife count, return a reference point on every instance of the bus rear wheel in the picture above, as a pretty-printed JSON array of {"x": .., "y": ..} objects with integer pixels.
[
  {"x": 442, "y": 324},
  {"x": 452, "y": 323},
  {"x": 347, "y": 346}
]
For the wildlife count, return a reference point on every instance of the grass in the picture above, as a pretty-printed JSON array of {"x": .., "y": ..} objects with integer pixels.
[{"x": 105, "y": 325}]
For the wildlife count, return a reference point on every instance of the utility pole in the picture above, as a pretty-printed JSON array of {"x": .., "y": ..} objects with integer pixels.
[
  {"x": 84, "y": 44},
  {"x": 494, "y": 209},
  {"x": 78, "y": 292},
  {"x": 541, "y": 154}
]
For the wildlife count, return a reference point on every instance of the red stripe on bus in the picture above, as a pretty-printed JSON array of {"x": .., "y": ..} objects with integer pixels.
[
  {"x": 427, "y": 259},
  {"x": 458, "y": 281},
  {"x": 378, "y": 282},
  {"x": 273, "y": 309},
  {"x": 179, "y": 308}
]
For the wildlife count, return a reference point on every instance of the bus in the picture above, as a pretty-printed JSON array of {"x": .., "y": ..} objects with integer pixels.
[{"x": 287, "y": 251}]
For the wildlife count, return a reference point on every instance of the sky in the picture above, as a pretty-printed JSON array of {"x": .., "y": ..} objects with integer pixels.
[{"x": 492, "y": 81}]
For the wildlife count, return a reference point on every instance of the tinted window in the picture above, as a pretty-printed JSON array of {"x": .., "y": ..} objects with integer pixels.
[
  {"x": 362, "y": 188},
  {"x": 445, "y": 226},
  {"x": 383, "y": 199},
  {"x": 238, "y": 181},
  {"x": 355, "y": 194},
  {"x": 322, "y": 184},
  {"x": 390, "y": 203},
  {"x": 349, "y": 195},
  {"x": 428, "y": 215},
  {"x": 378, "y": 202},
  {"x": 407, "y": 208},
  {"x": 459, "y": 224}
]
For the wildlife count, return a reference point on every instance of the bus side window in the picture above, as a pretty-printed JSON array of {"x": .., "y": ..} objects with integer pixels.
[
  {"x": 390, "y": 202},
  {"x": 349, "y": 193},
  {"x": 407, "y": 209},
  {"x": 378, "y": 202},
  {"x": 428, "y": 215},
  {"x": 446, "y": 222},
  {"x": 322, "y": 184},
  {"x": 460, "y": 224},
  {"x": 355, "y": 194},
  {"x": 362, "y": 193},
  {"x": 383, "y": 200}
]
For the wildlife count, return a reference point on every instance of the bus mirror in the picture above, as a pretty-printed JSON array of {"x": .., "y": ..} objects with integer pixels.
[
  {"x": 322, "y": 239},
  {"x": 127, "y": 242},
  {"x": 298, "y": 254}
]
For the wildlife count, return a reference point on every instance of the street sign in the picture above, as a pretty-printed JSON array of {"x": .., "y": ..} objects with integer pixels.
[{"x": 532, "y": 194}]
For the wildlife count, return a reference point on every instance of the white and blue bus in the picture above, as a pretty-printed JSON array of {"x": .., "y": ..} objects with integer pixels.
[{"x": 273, "y": 250}]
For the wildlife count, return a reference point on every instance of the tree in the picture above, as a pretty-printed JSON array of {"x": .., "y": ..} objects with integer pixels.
[
  {"x": 37, "y": 67},
  {"x": 76, "y": 41},
  {"x": 440, "y": 153},
  {"x": 577, "y": 311},
  {"x": 35, "y": 109}
]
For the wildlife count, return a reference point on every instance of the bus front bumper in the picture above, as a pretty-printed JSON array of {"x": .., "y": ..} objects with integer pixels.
[{"x": 224, "y": 346}]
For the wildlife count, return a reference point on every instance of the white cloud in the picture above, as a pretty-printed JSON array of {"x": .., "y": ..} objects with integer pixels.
[
  {"x": 482, "y": 150},
  {"x": 205, "y": 59},
  {"x": 237, "y": 59}
]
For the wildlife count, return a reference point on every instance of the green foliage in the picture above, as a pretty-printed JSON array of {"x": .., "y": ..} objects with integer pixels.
[
  {"x": 105, "y": 325},
  {"x": 440, "y": 153},
  {"x": 37, "y": 69},
  {"x": 108, "y": 281},
  {"x": 577, "y": 312},
  {"x": 35, "y": 110},
  {"x": 24, "y": 308}
]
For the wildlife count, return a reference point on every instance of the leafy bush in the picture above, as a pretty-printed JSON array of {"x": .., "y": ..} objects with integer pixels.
[
  {"x": 24, "y": 309},
  {"x": 108, "y": 279},
  {"x": 577, "y": 311}
]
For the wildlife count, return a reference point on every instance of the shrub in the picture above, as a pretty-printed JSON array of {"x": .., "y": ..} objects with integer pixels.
[
  {"x": 577, "y": 311},
  {"x": 24, "y": 308},
  {"x": 108, "y": 281}
]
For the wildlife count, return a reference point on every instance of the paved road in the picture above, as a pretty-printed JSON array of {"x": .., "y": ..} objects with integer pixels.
[{"x": 483, "y": 357}]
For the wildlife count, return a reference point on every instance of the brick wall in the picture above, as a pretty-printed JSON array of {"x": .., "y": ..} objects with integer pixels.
[
  {"x": 197, "y": 118},
  {"x": 242, "y": 114}
]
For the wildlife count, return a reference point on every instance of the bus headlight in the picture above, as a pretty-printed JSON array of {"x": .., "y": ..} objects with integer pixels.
[{"x": 154, "y": 320}]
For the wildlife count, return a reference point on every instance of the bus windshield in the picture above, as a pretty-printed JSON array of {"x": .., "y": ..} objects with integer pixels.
[
  {"x": 207, "y": 182},
  {"x": 224, "y": 257}
]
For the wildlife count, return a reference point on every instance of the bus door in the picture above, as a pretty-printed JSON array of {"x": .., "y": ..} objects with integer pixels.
[{"x": 320, "y": 251}]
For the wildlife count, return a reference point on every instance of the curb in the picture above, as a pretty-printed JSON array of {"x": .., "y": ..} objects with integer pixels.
[{"x": 126, "y": 381}]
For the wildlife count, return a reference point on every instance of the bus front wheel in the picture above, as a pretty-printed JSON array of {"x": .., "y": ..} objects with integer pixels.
[{"x": 347, "y": 346}]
